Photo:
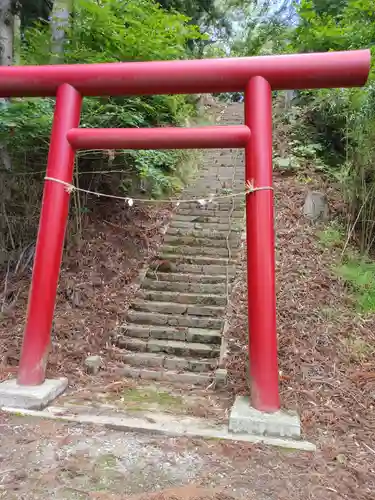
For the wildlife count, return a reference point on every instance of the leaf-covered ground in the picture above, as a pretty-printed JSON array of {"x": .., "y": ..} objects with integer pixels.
[
  {"x": 325, "y": 351},
  {"x": 326, "y": 363}
]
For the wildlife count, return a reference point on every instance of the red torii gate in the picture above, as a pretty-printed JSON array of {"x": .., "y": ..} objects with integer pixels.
[{"x": 257, "y": 76}]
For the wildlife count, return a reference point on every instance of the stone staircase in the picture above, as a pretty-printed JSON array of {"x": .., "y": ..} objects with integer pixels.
[{"x": 174, "y": 328}]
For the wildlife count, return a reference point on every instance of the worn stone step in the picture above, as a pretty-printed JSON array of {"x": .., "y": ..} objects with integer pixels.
[
  {"x": 152, "y": 331},
  {"x": 222, "y": 196},
  {"x": 182, "y": 298},
  {"x": 204, "y": 260},
  {"x": 206, "y": 234},
  {"x": 185, "y": 287},
  {"x": 166, "y": 266},
  {"x": 211, "y": 207},
  {"x": 220, "y": 227},
  {"x": 200, "y": 335},
  {"x": 214, "y": 184},
  {"x": 177, "y": 308},
  {"x": 196, "y": 259},
  {"x": 193, "y": 233},
  {"x": 161, "y": 360},
  {"x": 172, "y": 347},
  {"x": 194, "y": 241},
  {"x": 200, "y": 218},
  {"x": 168, "y": 376},
  {"x": 152, "y": 318},
  {"x": 200, "y": 251},
  {"x": 186, "y": 277},
  {"x": 222, "y": 212},
  {"x": 215, "y": 204}
]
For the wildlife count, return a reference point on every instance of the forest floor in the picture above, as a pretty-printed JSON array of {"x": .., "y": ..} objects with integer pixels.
[{"x": 326, "y": 360}]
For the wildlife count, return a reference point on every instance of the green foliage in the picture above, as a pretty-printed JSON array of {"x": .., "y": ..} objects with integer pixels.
[
  {"x": 195, "y": 9},
  {"x": 110, "y": 31},
  {"x": 25, "y": 124},
  {"x": 360, "y": 276},
  {"x": 261, "y": 28},
  {"x": 160, "y": 167},
  {"x": 332, "y": 236},
  {"x": 331, "y": 7},
  {"x": 107, "y": 31},
  {"x": 343, "y": 120},
  {"x": 347, "y": 25},
  {"x": 299, "y": 150}
]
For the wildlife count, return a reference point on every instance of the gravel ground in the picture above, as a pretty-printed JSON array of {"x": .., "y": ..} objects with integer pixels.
[{"x": 45, "y": 459}]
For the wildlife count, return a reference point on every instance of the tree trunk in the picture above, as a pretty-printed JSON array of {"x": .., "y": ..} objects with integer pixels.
[
  {"x": 17, "y": 40},
  {"x": 6, "y": 59},
  {"x": 60, "y": 22},
  {"x": 6, "y": 33}
]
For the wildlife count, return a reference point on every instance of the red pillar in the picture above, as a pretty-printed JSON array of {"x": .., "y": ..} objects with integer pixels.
[
  {"x": 260, "y": 248},
  {"x": 50, "y": 241}
]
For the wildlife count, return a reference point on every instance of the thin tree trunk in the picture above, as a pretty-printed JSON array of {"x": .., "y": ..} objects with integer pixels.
[
  {"x": 6, "y": 59},
  {"x": 17, "y": 40},
  {"x": 6, "y": 33},
  {"x": 60, "y": 22}
]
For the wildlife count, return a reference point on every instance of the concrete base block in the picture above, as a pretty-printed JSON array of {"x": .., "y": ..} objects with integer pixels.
[
  {"x": 246, "y": 420},
  {"x": 31, "y": 397}
]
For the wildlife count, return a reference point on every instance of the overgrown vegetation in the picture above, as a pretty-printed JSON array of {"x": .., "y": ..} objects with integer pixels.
[
  {"x": 88, "y": 31},
  {"x": 342, "y": 121},
  {"x": 105, "y": 31},
  {"x": 332, "y": 131},
  {"x": 355, "y": 270}
]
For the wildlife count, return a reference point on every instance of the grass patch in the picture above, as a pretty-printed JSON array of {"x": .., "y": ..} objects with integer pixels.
[
  {"x": 144, "y": 398},
  {"x": 359, "y": 275},
  {"x": 332, "y": 236},
  {"x": 107, "y": 461}
]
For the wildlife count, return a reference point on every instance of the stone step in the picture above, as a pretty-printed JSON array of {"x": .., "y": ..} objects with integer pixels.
[
  {"x": 200, "y": 335},
  {"x": 176, "y": 308},
  {"x": 168, "y": 376},
  {"x": 199, "y": 251},
  {"x": 222, "y": 212},
  {"x": 208, "y": 234},
  {"x": 233, "y": 227},
  {"x": 185, "y": 287},
  {"x": 204, "y": 260},
  {"x": 172, "y": 347},
  {"x": 182, "y": 278},
  {"x": 215, "y": 183},
  {"x": 217, "y": 179},
  {"x": 182, "y": 298},
  {"x": 215, "y": 206},
  {"x": 203, "y": 205},
  {"x": 174, "y": 326},
  {"x": 166, "y": 266},
  {"x": 194, "y": 241},
  {"x": 152, "y": 318},
  {"x": 161, "y": 360}
]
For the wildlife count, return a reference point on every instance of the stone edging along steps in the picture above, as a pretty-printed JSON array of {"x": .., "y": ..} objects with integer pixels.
[{"x": 174, "y": 328}]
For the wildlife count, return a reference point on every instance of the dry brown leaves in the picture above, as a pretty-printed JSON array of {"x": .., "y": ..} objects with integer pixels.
[
  {"x": 322, "y": 376},
  {"x": 183, "y": 493},
  {"x": 97, "y": 284}
]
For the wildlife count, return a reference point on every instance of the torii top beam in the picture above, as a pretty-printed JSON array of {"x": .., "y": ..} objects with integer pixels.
[{"x": 297, "y": 71}]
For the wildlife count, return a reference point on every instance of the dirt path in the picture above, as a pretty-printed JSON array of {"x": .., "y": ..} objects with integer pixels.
[{"x": 44, "y": 459}]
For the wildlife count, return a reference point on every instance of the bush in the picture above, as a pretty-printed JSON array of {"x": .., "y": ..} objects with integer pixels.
[
  {"x": 343, "y": 120},
  {"x": 105, "y": 31}
]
